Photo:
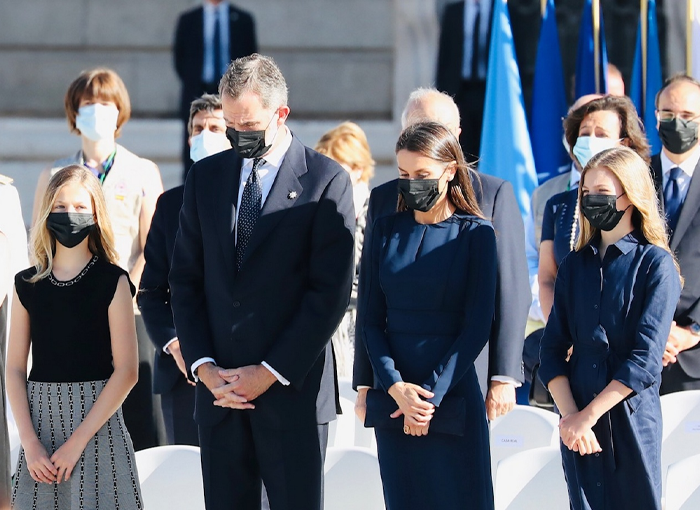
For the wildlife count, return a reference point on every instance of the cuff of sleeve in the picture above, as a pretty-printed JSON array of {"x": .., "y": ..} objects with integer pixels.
[
  {"x": 634, "y": 377},
  {"x": 277, "y": 375},
  {"x": 506, "y": 379},
  {"x": 165, "y": 347},
  {"x": 198, "y": 363},
  {"x": 363, "y": 387}
]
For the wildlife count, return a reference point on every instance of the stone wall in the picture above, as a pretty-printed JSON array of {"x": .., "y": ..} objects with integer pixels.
[{"x": 337, "y": 55}]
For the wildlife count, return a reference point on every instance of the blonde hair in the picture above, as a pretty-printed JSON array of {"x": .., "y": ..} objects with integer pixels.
[
  {"x": 635, "y": 178},
  {"x": 347, "y": 144},
  {"x": 100, "y": 240}
]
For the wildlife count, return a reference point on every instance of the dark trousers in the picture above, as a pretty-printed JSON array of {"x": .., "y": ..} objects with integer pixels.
[
  {"x": 470, "y": 101},
  {"x": 674, "y": 379},
  {"x": 178, "y": 414},
  {"x": 142, "y": 415},
  {"x": 237, "y": 457}
]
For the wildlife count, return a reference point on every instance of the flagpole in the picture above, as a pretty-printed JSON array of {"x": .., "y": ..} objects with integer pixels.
[
  {"x": 644, "y": 26},
  {"x": 596, "y": 43},
  {"x": 544, "y": 7},
  {"x": 689, "y": 38}
]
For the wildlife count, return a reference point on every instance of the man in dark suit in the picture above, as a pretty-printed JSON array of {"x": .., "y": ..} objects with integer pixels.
[
  {"x": 499, "y": 366},
  {"x": 675, "y": 170},
  {"x": 261, "y": 276},
  {"x": 207, "y": 38},
  {"x": 171, "y": 380},
  {"x": 462, "y": 66}
]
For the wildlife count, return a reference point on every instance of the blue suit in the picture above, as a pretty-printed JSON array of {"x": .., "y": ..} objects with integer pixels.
[{"x": 281, "y": 307}]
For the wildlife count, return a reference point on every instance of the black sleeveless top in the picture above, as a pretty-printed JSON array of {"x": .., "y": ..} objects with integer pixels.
[{"x": 69, "y": 324}]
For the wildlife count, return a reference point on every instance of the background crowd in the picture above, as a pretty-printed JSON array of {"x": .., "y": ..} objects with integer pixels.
[{"x": 187, "y": 290}]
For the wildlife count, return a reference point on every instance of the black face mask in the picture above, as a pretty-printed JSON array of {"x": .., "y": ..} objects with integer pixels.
[
  {"x": 419, "y": 194},
  {"x": 249, "y": 144},
  {"x": 678, "y": 135},
  {"x": 601, "y": 211},
  {"x": 70, "y": 229}
]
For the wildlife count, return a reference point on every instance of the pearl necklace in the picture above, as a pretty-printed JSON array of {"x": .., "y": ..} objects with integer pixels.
[{"x": 574, "y": 223}]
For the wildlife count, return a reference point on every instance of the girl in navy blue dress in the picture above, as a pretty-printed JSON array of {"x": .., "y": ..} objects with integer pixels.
[
  {"x": 614, "y": 301},
  {"x": 427, "y": 296}
]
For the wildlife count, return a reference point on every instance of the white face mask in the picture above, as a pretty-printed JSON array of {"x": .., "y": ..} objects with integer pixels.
[
  {"x": 97, "y": 122},
  {"x": 207, "y": 144},
  {"x": 588, "y": 146}
]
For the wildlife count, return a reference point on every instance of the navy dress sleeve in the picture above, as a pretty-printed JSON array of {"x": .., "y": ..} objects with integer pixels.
[
  {"x": 640, "y": 369},
  {"x": 556, "y": 340},
  {"x": 479, "y": 309}
]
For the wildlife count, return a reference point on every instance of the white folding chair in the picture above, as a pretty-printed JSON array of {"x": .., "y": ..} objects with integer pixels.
[
  {"x": 531, "y": 480},
  {"x": 171, "y": 477},
  {"x": 352, "y": 480},
  {"x": 524, "y": 428},
  {"x": 14, "y": 446},
  {"x": 347, "y": 430},
  {"x": 681, "y": 428},
  {"x": 683, "y": 484}
]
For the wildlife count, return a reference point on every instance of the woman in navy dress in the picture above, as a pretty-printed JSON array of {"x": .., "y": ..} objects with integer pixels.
[
  {"x": 427, "y": 295},
  {"x": 613, "y": 302}
]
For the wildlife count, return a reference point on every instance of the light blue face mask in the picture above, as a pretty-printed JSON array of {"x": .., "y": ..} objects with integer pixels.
[{"x": 588, "y": 146}]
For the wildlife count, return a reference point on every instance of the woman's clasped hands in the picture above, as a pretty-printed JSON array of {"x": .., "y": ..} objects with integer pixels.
[
  {"x": 576, "y": 432},
  {"x": 417, "y": 412}
]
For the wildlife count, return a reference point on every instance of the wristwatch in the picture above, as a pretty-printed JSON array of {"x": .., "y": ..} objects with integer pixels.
[{"x": 694, "y": 328}]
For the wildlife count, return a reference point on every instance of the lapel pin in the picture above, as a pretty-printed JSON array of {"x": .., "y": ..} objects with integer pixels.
[{"x": 292, "y": 195}]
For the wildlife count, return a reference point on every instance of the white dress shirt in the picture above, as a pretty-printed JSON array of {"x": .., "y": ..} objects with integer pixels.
[
  {"x": 267, "y": 172},
  {"x": 688, "y": 167},
  {"x": 209, "y": 74}
]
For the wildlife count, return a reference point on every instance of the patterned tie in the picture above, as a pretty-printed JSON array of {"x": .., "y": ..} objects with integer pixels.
[
  {"x": 249, "y": 212},
  {"x": 672, "y": 198},
  {"x": 216, "y": 46}
]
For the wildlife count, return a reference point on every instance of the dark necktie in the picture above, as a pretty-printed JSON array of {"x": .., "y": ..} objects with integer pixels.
[
  {"x": 672, "y": 198},
  {"x": 475, "y": 42},
  {"x": 216, "y": 46},
  {"x": 249, "y": 211}
]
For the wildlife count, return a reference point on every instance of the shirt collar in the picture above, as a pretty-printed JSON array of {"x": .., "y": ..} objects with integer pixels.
[
  {"x": 574, "y": 177},
  {"x": 625, "y": 244},
  {"x": 688, "y": 166},
  {"x": 210, "y": 8},
  {"x": 275, "y": 157}
]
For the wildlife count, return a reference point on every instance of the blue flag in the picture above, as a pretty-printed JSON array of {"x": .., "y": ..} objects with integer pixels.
[
  {"x": 646, "y": 106},
  {"x": 548, "y": 102},
  {"x": 585, "y": 61},
  {"x": 505, "y": 141}
]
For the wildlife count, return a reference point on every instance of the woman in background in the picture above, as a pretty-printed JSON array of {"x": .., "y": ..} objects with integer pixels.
[{"x": 347, "y": 144}]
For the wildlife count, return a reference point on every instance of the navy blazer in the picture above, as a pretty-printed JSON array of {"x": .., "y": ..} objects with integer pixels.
[
  {"x": 154, "y": 292},
  {"x": 503, "y": 354},
  {"x": 292, "y": 289},
  {"x": 684, "y": 243},
  {"x": 188, "y": 49}
]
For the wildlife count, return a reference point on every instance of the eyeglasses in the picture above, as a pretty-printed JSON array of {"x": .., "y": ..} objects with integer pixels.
[{"x": 668, "y": 116}]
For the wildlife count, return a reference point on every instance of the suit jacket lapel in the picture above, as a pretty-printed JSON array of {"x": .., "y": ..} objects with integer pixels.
[
  {"x": 285, "y": 191},
  {"x": 226, "y": 210},
  {"x": 689, "y": 209}
]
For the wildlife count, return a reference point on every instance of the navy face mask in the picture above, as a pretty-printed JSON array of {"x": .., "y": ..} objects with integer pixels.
[
  {"x": 70, "y": 229},
  {"x": 601, "y": 211}
]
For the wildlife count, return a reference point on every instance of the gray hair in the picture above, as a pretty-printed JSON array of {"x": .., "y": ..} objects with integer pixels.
[
  {"x": 258, "y": 74},
  {"x": 409, "y": 116},
  {"x": 208, "y": 102}
]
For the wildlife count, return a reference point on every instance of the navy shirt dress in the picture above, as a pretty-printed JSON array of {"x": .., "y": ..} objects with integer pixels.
[{"x": 617, "y": 314}]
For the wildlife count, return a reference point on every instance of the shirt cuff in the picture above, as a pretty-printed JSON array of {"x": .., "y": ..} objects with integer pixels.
[
  {"x": 506, "y": 379},
  {"x": 165, "y": 347},
  {"x": 277, "y": 375},
  {"x": 363, "y": 387},
  {"x": 198, "y": 363}
]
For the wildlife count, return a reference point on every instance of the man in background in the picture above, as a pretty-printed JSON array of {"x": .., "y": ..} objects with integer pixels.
[{"x": 207, "y": 38}]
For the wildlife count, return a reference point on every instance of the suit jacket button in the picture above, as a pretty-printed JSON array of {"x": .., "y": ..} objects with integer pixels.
[{"x": 236, "y": 304}]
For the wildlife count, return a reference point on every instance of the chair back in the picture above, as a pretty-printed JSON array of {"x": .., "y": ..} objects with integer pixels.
[
  {"x": 683, "y": 484},
  {"x": 347, "y": 430},
  {"x": 352, "y": 480},
  {"x": 681, "y": 428}
]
